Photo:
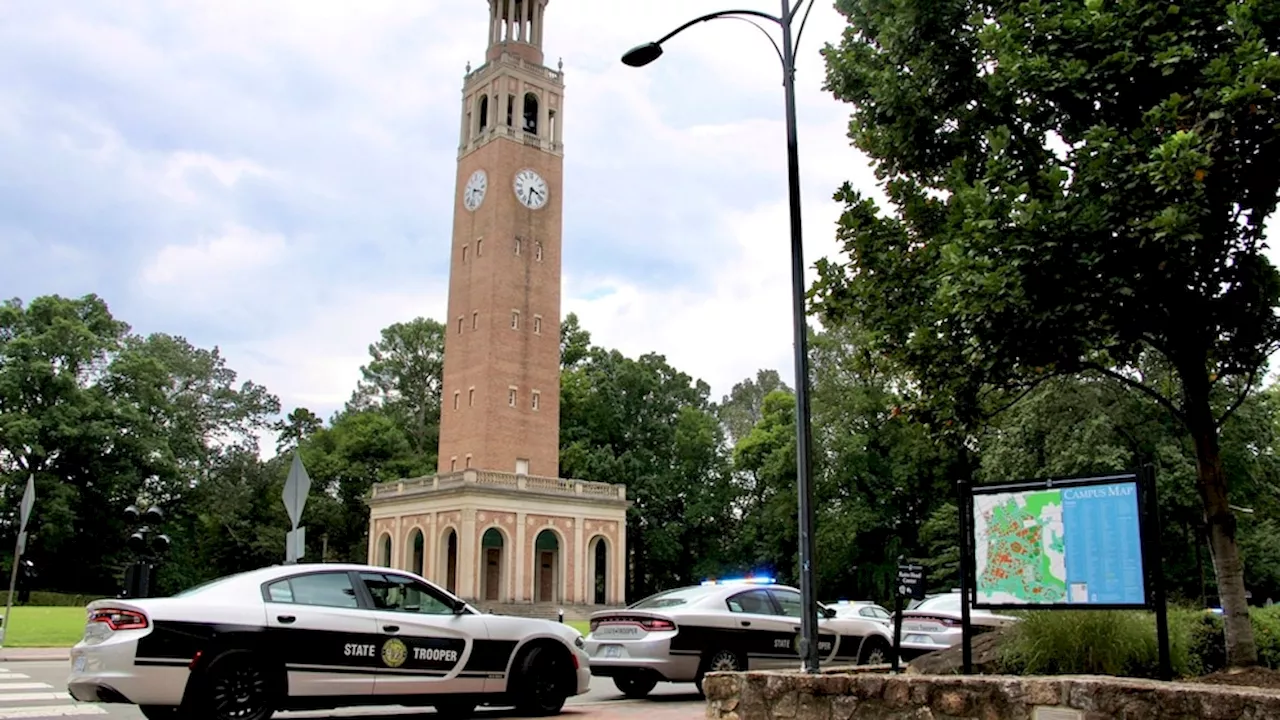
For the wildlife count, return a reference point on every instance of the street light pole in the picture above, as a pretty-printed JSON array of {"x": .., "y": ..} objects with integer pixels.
[{"x": 647, "y": 53}]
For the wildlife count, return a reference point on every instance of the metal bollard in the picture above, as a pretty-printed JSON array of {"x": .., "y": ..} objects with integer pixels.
[{"x": 562, "y": 616}]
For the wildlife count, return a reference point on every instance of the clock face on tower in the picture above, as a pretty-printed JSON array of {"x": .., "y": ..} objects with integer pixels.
[
  {"x": 473, "y": 194},
  {"x": 531, "y": 189}
]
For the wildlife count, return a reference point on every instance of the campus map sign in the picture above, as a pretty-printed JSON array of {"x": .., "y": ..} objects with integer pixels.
[{"x": 1059, "y": 543}]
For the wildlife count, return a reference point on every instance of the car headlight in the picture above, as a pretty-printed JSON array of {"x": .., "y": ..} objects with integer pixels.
[{"x": 579, "y": 642}]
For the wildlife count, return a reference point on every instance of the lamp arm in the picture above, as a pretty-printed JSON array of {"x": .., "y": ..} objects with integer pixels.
[
  {"x": 803, "y": 21},
  {"x": 713, "y": 16},
  {"x": 776, "y": 49}
]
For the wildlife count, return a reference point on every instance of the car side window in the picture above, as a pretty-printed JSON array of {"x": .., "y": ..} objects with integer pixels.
[
  {"x": 751, "y": 601},
  {"x": 790, "y": 602},
  {"x": 403, "y": 594},
  {"x": 328, "y": 589},
  {"x": 881, "y": 613}
]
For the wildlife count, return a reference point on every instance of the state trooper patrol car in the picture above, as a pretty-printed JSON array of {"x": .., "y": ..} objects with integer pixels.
[
  {"x": 320, "y": 636},
  {"x": 747, "y": 624}
]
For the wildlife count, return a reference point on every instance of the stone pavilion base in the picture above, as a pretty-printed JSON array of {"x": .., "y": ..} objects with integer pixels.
[{"x": 857, "y": 694}]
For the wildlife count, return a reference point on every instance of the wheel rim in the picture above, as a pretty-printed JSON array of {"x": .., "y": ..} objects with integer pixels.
[
  {"x": 875, "y": 657},
  {"x": 723, "y": 661},
  {"x": 544, "y": 686},
  {"x": 239, "y": 692}
]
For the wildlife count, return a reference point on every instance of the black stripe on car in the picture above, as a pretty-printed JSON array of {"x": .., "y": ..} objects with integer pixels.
[
  {"x": 693, "y": 640},
  {"x": 174, "y": 643}
]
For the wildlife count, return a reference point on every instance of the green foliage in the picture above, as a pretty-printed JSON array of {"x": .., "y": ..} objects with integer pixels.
[
  {"x": 643, "y": 423},
  {"x": 1073, "y": 188},
  {"x": 1090, "y": 642},
  {"x": 1123, "y": 643}
]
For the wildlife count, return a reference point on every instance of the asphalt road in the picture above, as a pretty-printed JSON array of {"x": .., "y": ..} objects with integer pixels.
[{"x": 36, "y": 690}]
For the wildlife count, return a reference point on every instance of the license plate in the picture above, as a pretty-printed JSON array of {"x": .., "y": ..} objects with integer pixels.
[
  {"x": 918, "y": 639},
  {"x": 612, "y": 651},
  {"x": 80, "y": 663}
]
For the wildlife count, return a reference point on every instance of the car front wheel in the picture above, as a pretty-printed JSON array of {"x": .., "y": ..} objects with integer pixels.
[
  {"x": 635, "y": 686},
  {"x": 543, "y": 681}
]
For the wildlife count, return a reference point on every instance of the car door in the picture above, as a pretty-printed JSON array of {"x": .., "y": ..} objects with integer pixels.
[
  {"x": 424, "y": 644},
  {"x": 789, "y": 606},
  {"x": 322, "y": 633},
  {"x": 768, "y": 640}
]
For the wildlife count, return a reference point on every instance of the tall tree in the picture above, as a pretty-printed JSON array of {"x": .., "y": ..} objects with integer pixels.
[
  {"x": 404, "y": 377},
  {"x": 743, "y": 407},
  {"x": 1073, "y": 185},
  {"x": 643, "y": 423}
]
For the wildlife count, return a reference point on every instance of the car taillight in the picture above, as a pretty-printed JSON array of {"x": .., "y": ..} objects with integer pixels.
[
  {"x": 657, "y": 624},
  {"x": 118, "y": 619},
  {"x": 648, "y": 623}
]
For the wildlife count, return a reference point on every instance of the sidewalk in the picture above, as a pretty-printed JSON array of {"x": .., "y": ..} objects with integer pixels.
[
  {"x": 632, "y": 710},
  {"x": 52, "y": 654}
]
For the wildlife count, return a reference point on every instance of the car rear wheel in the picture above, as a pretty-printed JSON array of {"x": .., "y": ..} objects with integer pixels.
[
  {"x": 543, "y": 681},
  {"x": 874, "y": 652},
  {"x": 635, "y": 686},
  {"x": 236, "y": 686},
  {"x": 719, "y": 661}
]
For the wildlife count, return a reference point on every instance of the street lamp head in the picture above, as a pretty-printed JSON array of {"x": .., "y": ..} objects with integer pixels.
[
  {"x": 154, "y": 515},
  {"x": 642, "y": 55},
  {"x": 131, "y": 514}
]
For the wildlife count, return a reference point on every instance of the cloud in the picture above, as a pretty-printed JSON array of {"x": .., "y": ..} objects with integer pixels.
[{"x": 277, "y": 179}]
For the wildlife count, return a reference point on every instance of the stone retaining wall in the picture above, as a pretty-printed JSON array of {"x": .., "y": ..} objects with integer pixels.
[{"x": 877, "y": 696}]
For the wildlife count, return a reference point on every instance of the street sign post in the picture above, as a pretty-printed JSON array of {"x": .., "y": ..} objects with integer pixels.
[
  {"x": 911, "y": 584},
  {"x": 296, "y": 488},
  {"x": 24, "y": 514}
]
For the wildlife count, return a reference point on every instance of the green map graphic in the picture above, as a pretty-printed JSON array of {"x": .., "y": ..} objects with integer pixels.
[{"x": 1020, "y": 545}]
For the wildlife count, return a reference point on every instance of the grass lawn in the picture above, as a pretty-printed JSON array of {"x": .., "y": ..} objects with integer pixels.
[
  {"x": 33, "y": 626},
  {"x": 581, "y": 626}
]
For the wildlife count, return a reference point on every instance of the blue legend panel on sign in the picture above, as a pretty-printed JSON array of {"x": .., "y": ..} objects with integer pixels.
[{"x": 1103, "y": 545}]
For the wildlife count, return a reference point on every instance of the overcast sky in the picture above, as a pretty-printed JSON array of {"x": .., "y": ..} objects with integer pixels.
[{"x": 275, "y": 177}]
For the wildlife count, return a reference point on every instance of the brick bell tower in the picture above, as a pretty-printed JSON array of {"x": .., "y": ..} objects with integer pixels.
[{"x": 500, "y": 405}]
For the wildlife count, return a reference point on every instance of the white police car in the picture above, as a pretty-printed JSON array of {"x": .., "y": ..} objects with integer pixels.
[
  {"x": 745, "y": 624},
  {"x": 320, "y": 636}
]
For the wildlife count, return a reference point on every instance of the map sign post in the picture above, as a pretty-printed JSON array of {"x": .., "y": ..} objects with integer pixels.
[
  {"x": 1072, "y": 543},
  {"x": 911, "y": 583}
]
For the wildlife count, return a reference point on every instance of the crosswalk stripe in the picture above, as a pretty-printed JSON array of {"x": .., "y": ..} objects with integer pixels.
[
  {"x": 33, "y": 696},
  {"x": 13, "y": 676},
  {"x": 42, "y": 711},
  {"x": 24, "y": 686}
]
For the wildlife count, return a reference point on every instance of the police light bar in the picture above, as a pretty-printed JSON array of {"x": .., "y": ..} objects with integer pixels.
[{"x": 741, "y": 581}]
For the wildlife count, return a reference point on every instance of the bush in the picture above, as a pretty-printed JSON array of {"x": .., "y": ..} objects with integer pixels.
[
  {"x": 51, "y": 599},
  {"x": 1123, "y": 643},
  {"x": 1089, "y": 642}
]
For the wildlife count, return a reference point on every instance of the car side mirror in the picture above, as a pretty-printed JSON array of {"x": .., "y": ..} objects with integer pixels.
[
  {"x": 458, "y": 606},
  {"x": 828, "y": 612}
]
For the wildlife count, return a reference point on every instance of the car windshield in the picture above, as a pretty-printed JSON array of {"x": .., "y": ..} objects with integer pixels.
[
  {"x": 941, "y": 603},
  {"x": 671, "y": 598}
]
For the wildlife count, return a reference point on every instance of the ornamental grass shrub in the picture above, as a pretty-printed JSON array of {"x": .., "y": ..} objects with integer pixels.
[{"x": 1123, "y": 642}]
